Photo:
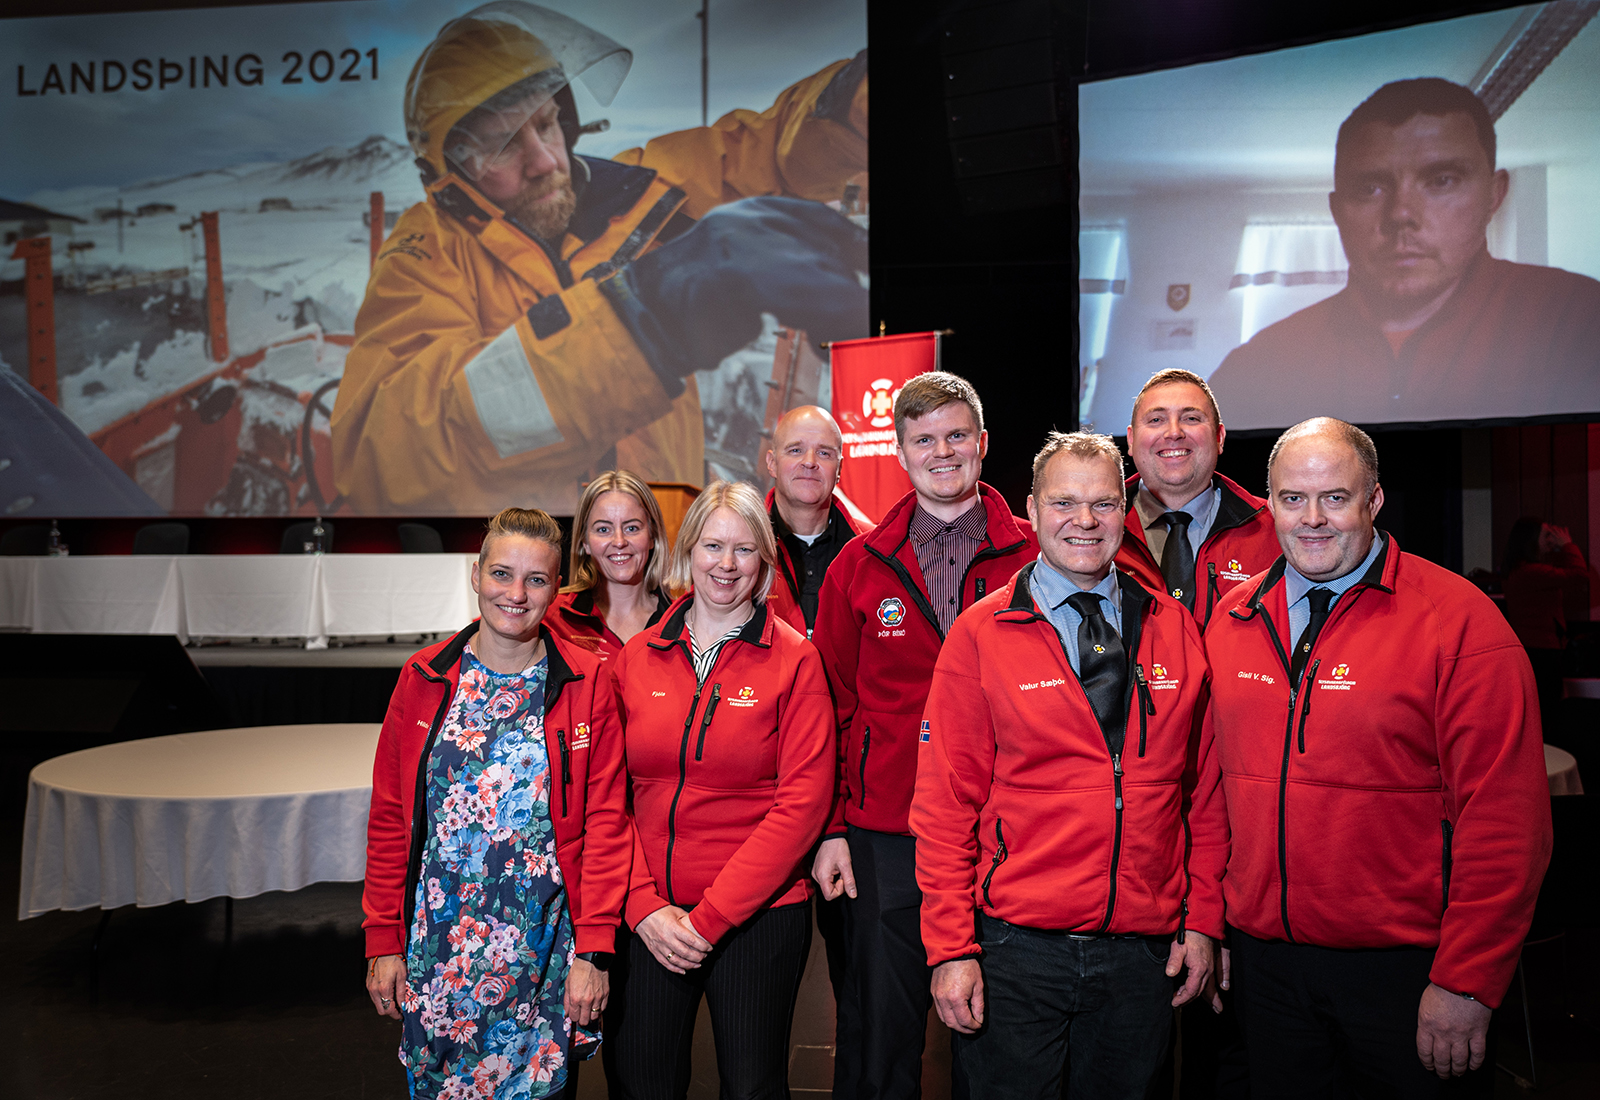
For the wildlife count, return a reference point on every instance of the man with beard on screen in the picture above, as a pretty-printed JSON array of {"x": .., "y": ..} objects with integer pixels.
[
  {"x": 1430, "y": 327},
  {"x": 542, "y": 314}
]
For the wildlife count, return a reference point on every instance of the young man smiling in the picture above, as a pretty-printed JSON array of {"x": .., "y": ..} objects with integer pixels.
[
  {"x": 887, "y": 603},
  {"x": 1378, "y": 732},
  {"x": 1190, "y": 531},
  {"x": 1067, "y": 799}
]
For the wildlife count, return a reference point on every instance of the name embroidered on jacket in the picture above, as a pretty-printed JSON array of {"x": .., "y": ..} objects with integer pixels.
[{"x": 1057, "y": 682}]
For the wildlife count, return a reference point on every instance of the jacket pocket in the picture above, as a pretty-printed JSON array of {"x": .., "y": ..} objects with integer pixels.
[
  {"x": 861, "y": 782},
  {"x": 1449, "y": 831},
  {"x": 994, "y": 864}
]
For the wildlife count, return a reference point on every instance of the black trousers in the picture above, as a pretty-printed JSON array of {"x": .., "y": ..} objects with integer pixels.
[
  {"x": 847, "y": 1015},
  {"x": 1323, "y": 1022},
  {"x": 887, "y": 987},
  {"x": 750, "y": 982}
]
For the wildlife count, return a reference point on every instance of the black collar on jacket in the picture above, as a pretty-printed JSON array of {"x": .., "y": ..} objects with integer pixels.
[
  {"x": 1372, "y": 578},
  {"x": 613, "y": 189},
  {"x": 558, "y": 674},
  {"x": 583, "y": 605},
  {"x": 672, "y": 629}
]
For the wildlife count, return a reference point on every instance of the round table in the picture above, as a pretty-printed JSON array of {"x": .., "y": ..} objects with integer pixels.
[
  {"x": 233, "y": 813},
  {"x": 1562, "y": 769}
]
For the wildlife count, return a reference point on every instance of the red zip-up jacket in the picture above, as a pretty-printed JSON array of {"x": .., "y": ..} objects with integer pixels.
[
  {"x": 1241, "y": 544},
  {"x": 572, "y": 618},
  {"x": 784, "y": 599},
  {"x": 587, "y": 798},
  {"x": 879, "y": 639},
  {"x": 1398, "y": 798},
  {"x": 1027, "y": 809},
  {"x": 731, "y": 780}
]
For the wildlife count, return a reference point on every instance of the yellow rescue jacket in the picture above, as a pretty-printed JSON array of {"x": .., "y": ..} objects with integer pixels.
[{"x": 457, "y": 399}]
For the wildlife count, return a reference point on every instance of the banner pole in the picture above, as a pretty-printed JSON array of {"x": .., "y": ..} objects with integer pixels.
[
  {"x": 41, "y": 314},
  {"x": 216, "y": 295}
]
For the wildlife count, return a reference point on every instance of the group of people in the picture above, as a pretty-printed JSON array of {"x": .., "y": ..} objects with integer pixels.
[{"x": 1161, "y": 743}]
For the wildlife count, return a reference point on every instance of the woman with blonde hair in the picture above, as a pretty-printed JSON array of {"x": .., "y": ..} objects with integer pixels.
[
  {"x": 497, "y": 844},
  {"x": 730, "y": 754},
  {"x": 619, "y": 563}
]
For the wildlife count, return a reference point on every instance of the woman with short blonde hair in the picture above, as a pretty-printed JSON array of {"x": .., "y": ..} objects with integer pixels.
[
  {"x": 619, "y": 565},
  {"x": 729, "y": 741}
]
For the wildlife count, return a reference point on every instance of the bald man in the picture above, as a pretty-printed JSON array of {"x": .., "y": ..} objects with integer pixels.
[
  {"x": 1389, "y": 841},
  {"x": 812, "y": 523}
]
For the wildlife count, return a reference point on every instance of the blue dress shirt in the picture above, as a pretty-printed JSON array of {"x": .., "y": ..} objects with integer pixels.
[
  {"x": 1295, "y": 588},
  {"x": 1050, "y": 592}
]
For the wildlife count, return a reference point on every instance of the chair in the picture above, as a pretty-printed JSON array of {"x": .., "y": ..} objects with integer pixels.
[
  {"x": 30, "y": 541},
  {"x": 419, "y": 538},
  {"x": 162, "y": 538},
  {"x": 297, "y": 535}
]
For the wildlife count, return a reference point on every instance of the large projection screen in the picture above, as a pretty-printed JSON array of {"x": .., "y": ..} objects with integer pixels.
[
  {"x": 230, "y": 339},
  {"x": 1209, "y": 240}
]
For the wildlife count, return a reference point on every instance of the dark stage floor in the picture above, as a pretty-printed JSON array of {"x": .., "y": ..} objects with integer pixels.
[{"x": 284, "y": 1013}]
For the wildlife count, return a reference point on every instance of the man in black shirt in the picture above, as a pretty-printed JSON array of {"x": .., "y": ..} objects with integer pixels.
[{"x": 812, "y": 524}]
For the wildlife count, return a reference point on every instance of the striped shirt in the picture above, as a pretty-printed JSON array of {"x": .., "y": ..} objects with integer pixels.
[
  {"x": 703, "y": 659},
  {"x": 944, "y": 550}
]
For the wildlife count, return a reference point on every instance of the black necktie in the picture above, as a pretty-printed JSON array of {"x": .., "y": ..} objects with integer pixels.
[
  {"x": 1319, "y": 598},
  {"x": 1102, "y": 663},
  {"x": 1177, "y": 558}
]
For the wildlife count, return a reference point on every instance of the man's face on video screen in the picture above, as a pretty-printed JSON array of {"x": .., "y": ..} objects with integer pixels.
[{"x": 1412, "y": 203}]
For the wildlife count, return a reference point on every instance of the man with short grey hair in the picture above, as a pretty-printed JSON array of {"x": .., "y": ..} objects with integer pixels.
[
  {"x": 1070, "y": 833},
  {"x": 1378, "y": 730}
]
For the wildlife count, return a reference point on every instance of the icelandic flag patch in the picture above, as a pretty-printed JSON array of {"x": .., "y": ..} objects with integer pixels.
[{"x": 926, "y": 733}]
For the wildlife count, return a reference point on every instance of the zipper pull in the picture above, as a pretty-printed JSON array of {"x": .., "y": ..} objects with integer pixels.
[
  {"x": 1116, "y": 770},
  {"x": 1145, "y": 696}
]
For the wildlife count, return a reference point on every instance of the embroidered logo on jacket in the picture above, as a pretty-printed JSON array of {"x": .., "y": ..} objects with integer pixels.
[
  {"x": 580, "y": 737},
  {"x": 891, "y": 612},
  {"x": 1233, "y": 571},
  {"x": 1339, "y": 679},
  {"x": 1159, "y": 680},
  {"x": 746, "y": 697}
]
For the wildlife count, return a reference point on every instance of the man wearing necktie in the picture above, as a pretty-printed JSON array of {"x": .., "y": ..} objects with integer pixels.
[
  {"x": 1378, "y": 731},
  {"x": 1190, "y": 530},
  {"x": 1070, "y": 833}
]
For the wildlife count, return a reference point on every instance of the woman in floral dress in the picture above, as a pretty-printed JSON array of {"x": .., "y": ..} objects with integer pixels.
[{"x": 497, "y": 845}]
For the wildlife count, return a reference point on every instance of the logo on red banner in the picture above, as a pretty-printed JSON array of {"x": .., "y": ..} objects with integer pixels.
[{"x": 877, "y": 403}]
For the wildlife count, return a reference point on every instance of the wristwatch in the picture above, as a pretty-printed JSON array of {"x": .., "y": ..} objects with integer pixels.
[{"x": 600, "y": 960}]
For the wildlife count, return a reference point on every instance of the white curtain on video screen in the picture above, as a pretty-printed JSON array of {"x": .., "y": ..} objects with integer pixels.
[
  {"x": 1102, "y": 276},
  {"x": 1283, "y": 268}
]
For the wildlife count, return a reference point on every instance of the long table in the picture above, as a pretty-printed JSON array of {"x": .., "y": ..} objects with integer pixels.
[{"x": 309, "y": 597}]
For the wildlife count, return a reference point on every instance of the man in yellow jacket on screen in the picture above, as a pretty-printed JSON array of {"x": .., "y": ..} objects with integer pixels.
[{"x": 543, "y": 309}]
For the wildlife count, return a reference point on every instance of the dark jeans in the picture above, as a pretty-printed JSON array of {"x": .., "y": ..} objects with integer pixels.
[
  {"x": 750, "y": 982},
  {"x": 1323, "y": 1022},
  {"x": 1100, "y": 1008},
  {"x": 887, "y": 985}
]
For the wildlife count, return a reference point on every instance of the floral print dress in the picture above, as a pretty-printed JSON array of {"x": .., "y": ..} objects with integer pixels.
[{"x": 491, "y": 942}]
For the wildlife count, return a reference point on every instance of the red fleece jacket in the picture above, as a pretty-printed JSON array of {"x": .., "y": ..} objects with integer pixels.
[
  {"x": 879, "y": 639},
  {"x": 1025, "y": 808},
  {"x": 1398, "y": 798},
  {"x": 731, "y": 780},
  {"x": 587, "y": 800}
]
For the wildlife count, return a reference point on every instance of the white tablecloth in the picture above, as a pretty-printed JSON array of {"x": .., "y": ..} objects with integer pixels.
[
  {"x": 309, "y": 596},
  {"x": 198, "y": 815},
  {"x": 1561, "y": 767}
]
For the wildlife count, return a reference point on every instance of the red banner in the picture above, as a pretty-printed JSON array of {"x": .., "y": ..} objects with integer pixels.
[{"x": 867, "y": 375}]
